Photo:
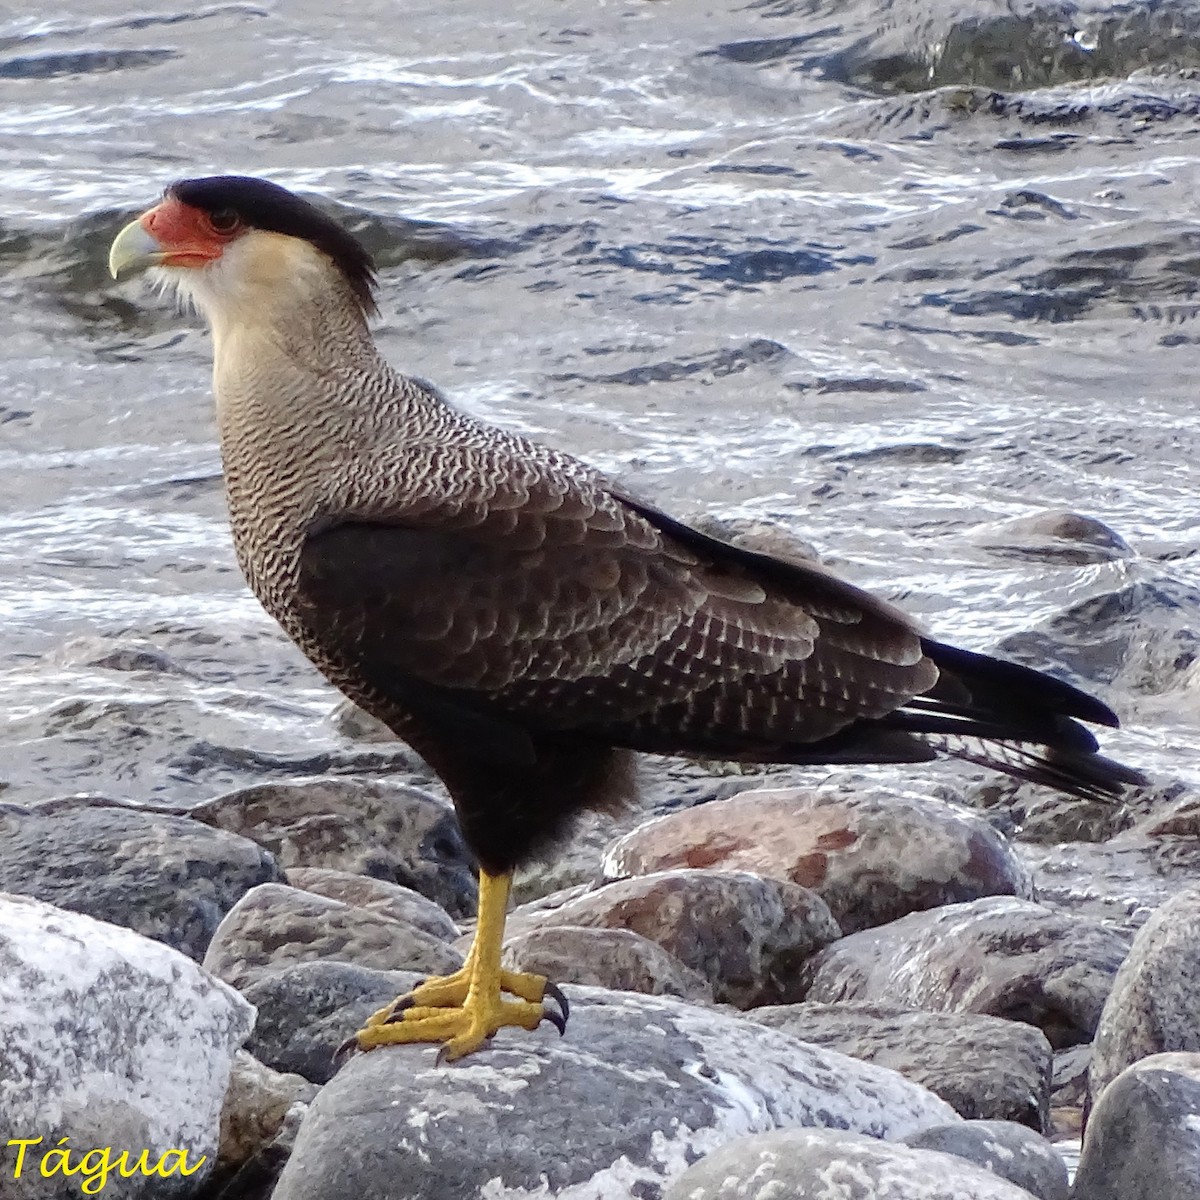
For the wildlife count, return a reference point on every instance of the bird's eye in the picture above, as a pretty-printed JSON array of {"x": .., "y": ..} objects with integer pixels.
[{"x": 224, "y": 220}]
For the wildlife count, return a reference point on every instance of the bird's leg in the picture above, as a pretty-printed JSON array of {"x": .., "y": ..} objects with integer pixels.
[{"x": 463, "y": 1010}]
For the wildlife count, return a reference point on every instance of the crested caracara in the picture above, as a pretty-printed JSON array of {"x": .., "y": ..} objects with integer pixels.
[{"x": 519, "y": 618}]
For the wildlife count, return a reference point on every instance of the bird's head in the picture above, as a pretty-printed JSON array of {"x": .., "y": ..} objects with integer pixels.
[{"x": 237, "y": 246}]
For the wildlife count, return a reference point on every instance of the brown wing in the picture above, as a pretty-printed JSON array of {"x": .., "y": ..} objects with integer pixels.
[{"x": 570, "y": 607}]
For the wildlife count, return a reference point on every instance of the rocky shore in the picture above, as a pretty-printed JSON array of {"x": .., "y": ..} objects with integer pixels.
[{"x": 773, "y": 992}]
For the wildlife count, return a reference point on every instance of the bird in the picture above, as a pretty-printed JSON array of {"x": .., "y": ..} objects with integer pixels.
[{"x": 523, "y": 621}]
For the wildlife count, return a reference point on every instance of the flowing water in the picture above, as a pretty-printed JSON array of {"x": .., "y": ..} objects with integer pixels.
[{"x": 890, "y": 276}]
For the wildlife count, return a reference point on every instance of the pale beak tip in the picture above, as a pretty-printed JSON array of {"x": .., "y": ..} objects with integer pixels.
[{"x": 133, "y": 249}]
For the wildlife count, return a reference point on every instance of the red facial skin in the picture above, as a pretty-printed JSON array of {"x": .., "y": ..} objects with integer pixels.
[{"x": 186, "y": 234}]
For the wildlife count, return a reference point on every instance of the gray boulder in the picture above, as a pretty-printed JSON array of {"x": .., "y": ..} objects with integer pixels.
[
  {"x": 306, "y": 1011},
  {"x": 637, "y": 1088},
  {"x": 1011, "y": 1151},
  {"x": 985, "y": 1067},
  {"x": 1143, "y": 1138},
  {"x": 386, "y": 830},
  {"x": 115, "y": 1041},
  {"x": 379, "y": 896},
  {"x": 1007, "y": 957},
  {"x": 275, "y": 926},
  {"x": 167, "y": 877},
  {"x": 871, "y": 854},
  {"x": 821, "y": 1164},
  {"x": 610, "y": 958},
  {"x": 1154, "y": 1005},
  {"x": 748, "y": 936}
]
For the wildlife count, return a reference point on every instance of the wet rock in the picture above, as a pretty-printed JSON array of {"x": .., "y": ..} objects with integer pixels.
[
  {"x": 1119, "y": 883},
  {"x": 143, "y": 1062},
  {"x": 358, "y": 725},
  {"x": 1011, "y": 1151},
  {"x": 1055, "y": 536},
  {"x": 379, "y": 896},
  {"x": 794, "y": 1164},
  {"x": 1154, "y": 1005},
  {"x": 385, "y": 830},
  {"x": 274, "y": 926},
  {"x": 1007, "y": 957},
  {"x": 306, "y": 1011},
  {"x": 638, "y": 1087},
  {"x": 872, "y": 856},
  {"x": 1138, "y": 637},
  {"x": 166, "y": 876},
  {"x": 1069, "y": 1076},
  {"x": 984, "y": 1067},
  {"x": 748, "y": 936},
  {"x": 1143, "y": 1138},
  {"x": 257, "y": 1103},
  {"x": 1034, "y": 813},
  {"x": 610, "y": 958}
]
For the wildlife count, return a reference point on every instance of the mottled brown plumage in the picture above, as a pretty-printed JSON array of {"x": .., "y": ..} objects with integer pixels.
[{"x": 518, "y": 617}]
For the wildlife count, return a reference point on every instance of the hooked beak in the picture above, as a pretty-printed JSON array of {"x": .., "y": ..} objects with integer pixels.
[{"x": 134, "y": 249}]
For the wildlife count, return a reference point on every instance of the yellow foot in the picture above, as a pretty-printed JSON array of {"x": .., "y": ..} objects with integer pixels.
[
  {"x": 464, "y": 1010},
  {"x": 443, "y": 1009}
]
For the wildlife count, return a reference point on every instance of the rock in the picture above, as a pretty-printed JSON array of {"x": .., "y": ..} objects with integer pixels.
[
  {"x": 610, "y": 958},
  {"x": 166, "y": 877},
  {"x": 1054, "y": 536},
  {"x": 1069, "y": 1077},
  {"x": 358, "y": 725},
  {"x": 1154, "y": 1005},
  {"x": 1007, "y": 957},
  {"x": 274, "y": 926},
  {"x": 872, "y": 856},
  {"x": 1143, "y": 1138},
  {"x": 379, "y": 896},
  {"x": 385, "y": 830},
  {"x": 823, "y": 1164},
  {"x": 983, "y": 1066},
  {"x": 637, "y": 1088},
  {"x": 1011, "y": 1151},
  {"x": 1119, "y": 883},
  {"x": 305, "y": 1012},
  {"x": 257, "y": 1103},
  {"x": 746, "y": 935},
  {"x": 116, "y": 1041}
]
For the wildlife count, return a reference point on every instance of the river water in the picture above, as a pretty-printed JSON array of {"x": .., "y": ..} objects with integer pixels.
[{"x": 890, "y": 276}]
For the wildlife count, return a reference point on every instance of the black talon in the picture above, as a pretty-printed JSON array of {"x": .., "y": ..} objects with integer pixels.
[
  {"x": 559, "y": 1022},
  {"x": 343, "y": 1053},
  {"x": 556, "y": 994},
  {"x": 399, "y": 1008}
]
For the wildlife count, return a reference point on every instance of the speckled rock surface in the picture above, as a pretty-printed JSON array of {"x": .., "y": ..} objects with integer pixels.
[
  {"x": 748, "y": 936},
  {"x": 638, "y": 1087},
  {"x": 256, "y": 1106},
  {"x": 1119, "y": 883},
  {"x": 1011, "y": 1151},
  {"x": 1007, "y": 957},
  {"x": 872, "y": 855},
  {"x": 1154, "y": 1005},
  {"x": 1143, "y": 1137},
  {"x": 379, "y": 896},
  {"x": 305, "y": 1012},
  {"x": 824, "y": 1164},
  {"x": 610, "y": 958},
  {"x": 275, "y": 926},
  {"x": 386, "y": 830},
  {"x": 983, "y": 1066},
  {"x": 143, "y": 1063},
  {"x": 167, "y": 877}
]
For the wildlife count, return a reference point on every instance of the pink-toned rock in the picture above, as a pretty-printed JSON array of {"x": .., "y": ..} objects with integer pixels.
[
  {"x": 612, "y": 958},
  {"x": 747, "y": 935},
  {"x": 872, "y": 856}
]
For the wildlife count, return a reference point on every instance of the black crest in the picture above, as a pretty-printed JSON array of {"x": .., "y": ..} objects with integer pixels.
[{"x": 264, "y": 205}]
